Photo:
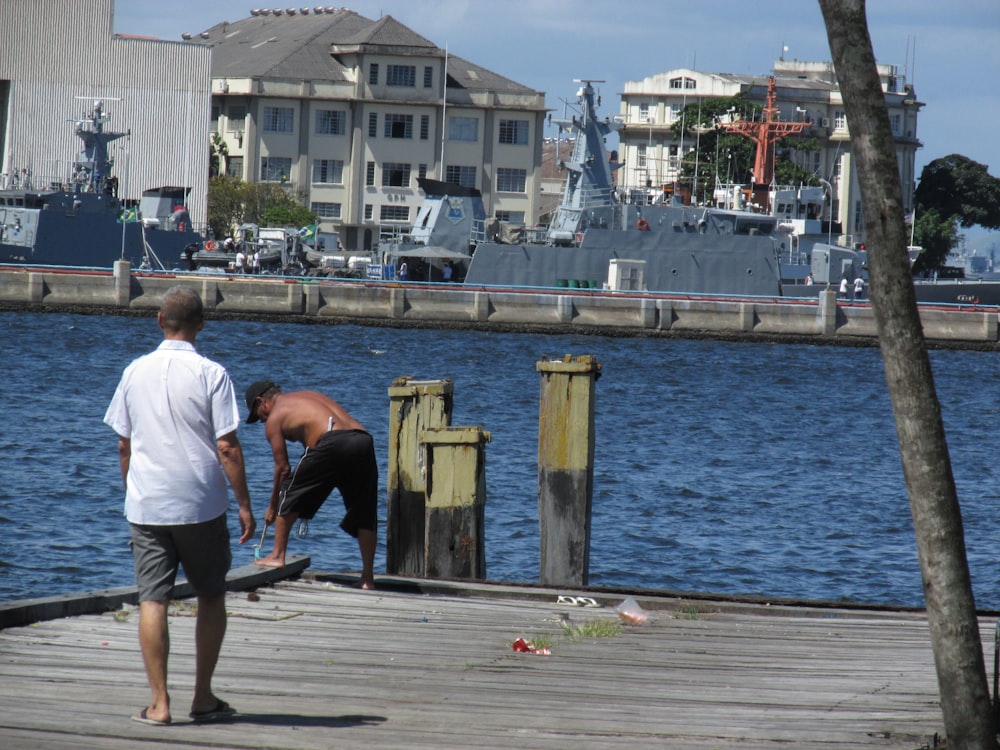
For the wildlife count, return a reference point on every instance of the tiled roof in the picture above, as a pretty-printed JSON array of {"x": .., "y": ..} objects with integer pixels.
[{"x": 299, "y": 47}]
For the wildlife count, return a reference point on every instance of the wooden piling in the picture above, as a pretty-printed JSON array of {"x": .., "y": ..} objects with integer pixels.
[
  {"x": 566, "y": 467},
  {"x": 414, "y": 406},
  {"x": 454, "y": 539}
]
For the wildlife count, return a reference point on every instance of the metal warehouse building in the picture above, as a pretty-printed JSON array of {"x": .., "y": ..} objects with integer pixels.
[{"x": 59, "y": 56}]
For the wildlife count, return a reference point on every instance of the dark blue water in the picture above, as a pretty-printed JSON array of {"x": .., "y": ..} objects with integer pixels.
[{"x": 720, "y": 467}]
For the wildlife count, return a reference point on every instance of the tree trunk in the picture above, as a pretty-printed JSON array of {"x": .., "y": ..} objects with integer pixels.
[{"x": 951, "y": 610}]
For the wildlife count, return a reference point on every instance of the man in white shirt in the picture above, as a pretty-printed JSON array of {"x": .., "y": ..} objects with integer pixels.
[{"x": 176, "y": 416}]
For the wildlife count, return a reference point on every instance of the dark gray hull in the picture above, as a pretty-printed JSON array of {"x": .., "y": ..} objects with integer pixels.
[
  {"x": 677, "y": 263},
  {"x": 84, "y": 231}
]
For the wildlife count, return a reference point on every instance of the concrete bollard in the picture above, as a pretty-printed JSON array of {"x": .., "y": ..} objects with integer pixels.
[
  {"x": 122, "y": 271},
  {"x": 454, "y": 541},
  {"x": 414, "y": 406},
  {"x": 566, "y": 468}
]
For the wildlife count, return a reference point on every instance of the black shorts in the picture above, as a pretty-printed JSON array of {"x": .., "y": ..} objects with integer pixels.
[
  {"x": 202, "y": 548},
  {"x": 341, "y": 459}
]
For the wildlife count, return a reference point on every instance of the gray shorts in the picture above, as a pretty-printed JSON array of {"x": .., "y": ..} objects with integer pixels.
[{"x": 202, "y": 548}]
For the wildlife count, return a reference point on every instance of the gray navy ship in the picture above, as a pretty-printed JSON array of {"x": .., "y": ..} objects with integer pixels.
[
  {"x": 605, "y": 238},
  {"x": 82, "y": 222},
  {"x": 600, "y": 238}
]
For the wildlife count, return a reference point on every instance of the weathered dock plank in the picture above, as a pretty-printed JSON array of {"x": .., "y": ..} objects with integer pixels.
[{"x": 313, "y": 664}]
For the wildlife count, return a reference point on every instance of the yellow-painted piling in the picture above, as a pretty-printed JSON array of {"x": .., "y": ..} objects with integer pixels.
[
  {"x": 454, "y": 542},
  {"x": 566, "y": 467},
  {"x": 414, "y": 406}
]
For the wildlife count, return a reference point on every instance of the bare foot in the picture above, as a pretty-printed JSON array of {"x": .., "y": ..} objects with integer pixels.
[
  {"x": 270, "y": 562},
  {"x": 366, "y": 585}
]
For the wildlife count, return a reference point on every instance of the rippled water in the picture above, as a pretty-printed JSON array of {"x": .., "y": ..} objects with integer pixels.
[{"x": 732, "y": 468}]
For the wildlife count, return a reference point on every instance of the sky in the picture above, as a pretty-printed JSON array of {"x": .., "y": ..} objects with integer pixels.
[{"x": 950, "y": 52}]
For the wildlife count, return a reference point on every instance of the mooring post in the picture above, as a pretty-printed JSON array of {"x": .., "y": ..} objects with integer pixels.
[
  {"x": 122, "y": 271},
  {"x": 414, "y": 406},
  {"x": 566, "y": 467},
  {"x": 454, "y": 542}
]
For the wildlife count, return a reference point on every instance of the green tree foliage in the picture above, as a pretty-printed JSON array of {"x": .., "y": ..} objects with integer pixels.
[
  {"x": 217, "y": 153},
  {"x": 232, "y": 202},
  {"x": 935, "y": 235},
  {"x": 953, "y": 191},
  {"x": 287, "y": 214}
]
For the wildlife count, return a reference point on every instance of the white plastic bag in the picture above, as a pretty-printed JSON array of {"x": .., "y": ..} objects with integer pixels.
[{"x": 630, "y": 611}]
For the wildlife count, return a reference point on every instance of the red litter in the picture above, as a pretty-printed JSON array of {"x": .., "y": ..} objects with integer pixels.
[{"x": 527, "y": 647}]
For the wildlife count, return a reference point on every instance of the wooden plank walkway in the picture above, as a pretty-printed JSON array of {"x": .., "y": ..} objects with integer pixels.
[{"x": 315, "y": 663}]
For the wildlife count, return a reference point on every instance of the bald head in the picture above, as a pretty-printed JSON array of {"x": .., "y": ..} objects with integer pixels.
[{"x": 181, "y": 310}]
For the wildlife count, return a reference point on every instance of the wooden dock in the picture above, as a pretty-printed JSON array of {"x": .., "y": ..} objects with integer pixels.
[{"x": 314, "y": 663}]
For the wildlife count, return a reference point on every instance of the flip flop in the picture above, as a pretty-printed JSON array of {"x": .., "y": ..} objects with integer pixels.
[
  {"x": 142, "y": 718},
  {"x": 221, "y": 712}
]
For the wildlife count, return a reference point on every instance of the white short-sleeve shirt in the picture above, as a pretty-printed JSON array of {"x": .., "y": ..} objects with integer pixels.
[{"x": 173, "y": 404}]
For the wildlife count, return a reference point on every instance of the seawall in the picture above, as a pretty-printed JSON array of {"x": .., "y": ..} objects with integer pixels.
[{"x": 824, "y": 319}]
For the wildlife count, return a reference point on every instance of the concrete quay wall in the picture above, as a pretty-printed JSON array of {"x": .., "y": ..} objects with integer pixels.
[{"x": 483, "y": 307}]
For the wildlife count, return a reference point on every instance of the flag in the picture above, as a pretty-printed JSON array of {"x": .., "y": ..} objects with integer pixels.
[
  {"x": 308, "y": 234},
  {"x": 128, "y": 216},
  {"x": 908, "y": 218}
]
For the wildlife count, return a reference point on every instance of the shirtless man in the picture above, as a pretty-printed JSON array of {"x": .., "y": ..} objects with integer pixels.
[{"x": 338, "y": 453}]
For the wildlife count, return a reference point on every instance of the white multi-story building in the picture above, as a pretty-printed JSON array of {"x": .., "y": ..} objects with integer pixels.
[
  {"x": 806, "y": 92},
  {"x": 349, "y": 112}
]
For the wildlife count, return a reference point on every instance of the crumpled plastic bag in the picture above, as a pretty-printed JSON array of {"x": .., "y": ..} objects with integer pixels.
[{"x": 630, "y": 611}]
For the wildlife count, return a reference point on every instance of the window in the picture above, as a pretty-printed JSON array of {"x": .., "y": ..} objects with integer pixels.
[
  {"x": 275, "y": 168},
  {"x": 511, "y": 180},
  {"x": 372, "y": 124},
  {"x": 464, "y": 176},
  {"x": 839, "y": 121},
  {"x": 326, "y": 210},
  {"x": 373, "y": 74},
  {"x": 394, "y": 213},
  {"x": 425, "y": 127},
  {"x": 514, "y": 132},
  {"x": 370, "y": 174},
  {"x": 216, "y": 110},
  {"x": 836, "y": 170},
  {"x": 237, "y": 118},
  {"x": 330, "y": 122},
  {"x": 329, "y": 171},
  {"x": 897, "y": 124},
  {"x": 278, "y": 119},
  {"x": 510, "y": 217},
  {"x": 859, "y": 218},
  {"x": 675, "y": 112},
  {"x": 644, "y": 112},
  {"x": 640, "y": 157},
  {"x": 395, "y": 174},
  {"x": 463, "y": 129},
  {"x": 401, "y": 75},
  {"x": 368, "y": 212},
  {"x": 234, "y": 166},
  {"x": 689, "y": 83},
  {"x": 422, "y": 170},
  {"x": 399, "y": 126},
  {"x": 428, "y": 77},
  {"x": 682, "y": 83}
]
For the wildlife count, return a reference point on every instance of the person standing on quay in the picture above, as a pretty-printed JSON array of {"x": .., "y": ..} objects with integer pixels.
[
  {"x": 339, "y": 453},
  {"x": 176, "y": 416}
]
